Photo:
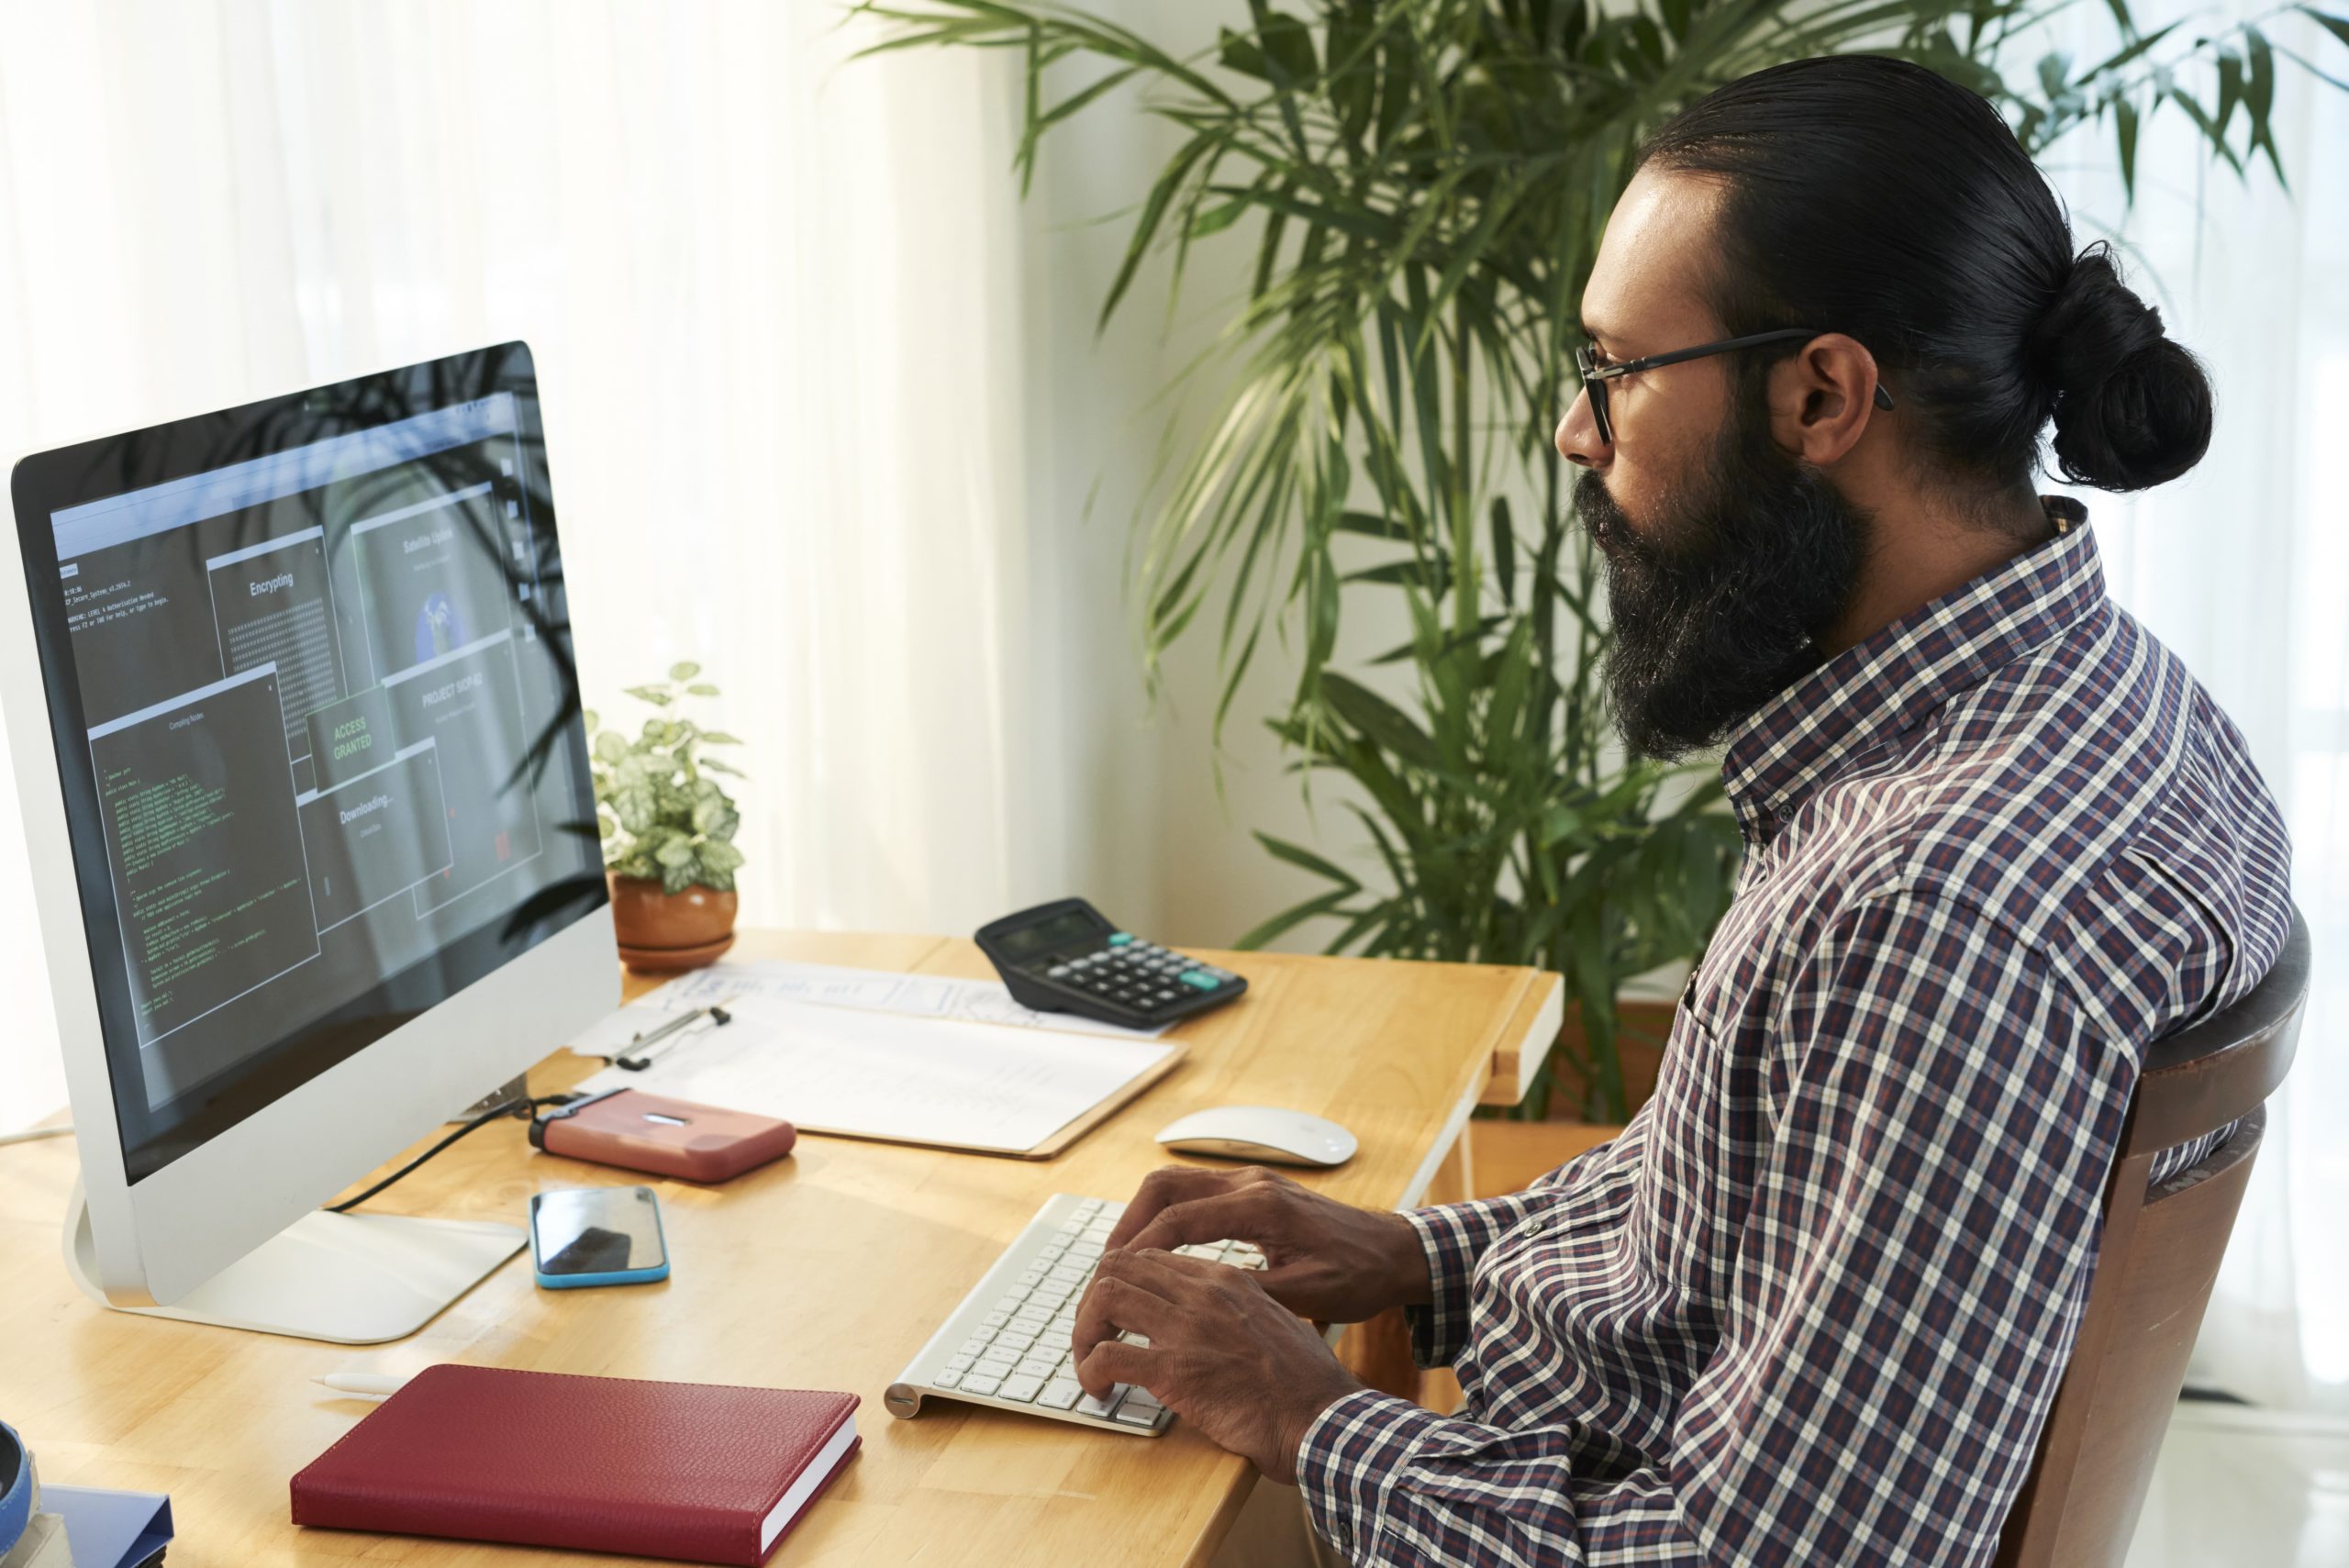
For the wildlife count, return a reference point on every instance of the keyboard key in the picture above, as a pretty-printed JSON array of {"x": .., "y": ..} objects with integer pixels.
[
  {"x": 1032, "y": 1313},
  {"x": 946, "y": 1380},
  {"x": 1134, "y": 1413},
  {"x": 972, "y": 1384},
  {"x": 1040, "y": 1366},
  {"x": 1011, "y": 1301},
  {"x": 1007, "y": 1341},
  {"x": 995, "y": 1319},
  {"x": 1201, "y": 1250},
  {"x": 1068, "y": 1273},
  {"x": 1089, "y": 1406},
  {"x": 961, "y": 1363},
  {"x": 1021, "y": 1388},
  {"x": 999, "y": 1358},
  {"x": 1060, "y": 1393},
  {"x": 1084, "y": 1249},
  {"x": 1090, "y": 1206},
  {"x": 1028, "y": 1280}
]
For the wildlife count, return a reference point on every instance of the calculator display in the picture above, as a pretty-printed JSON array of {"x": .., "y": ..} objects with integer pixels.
[{"x": 1046, "y": 936}]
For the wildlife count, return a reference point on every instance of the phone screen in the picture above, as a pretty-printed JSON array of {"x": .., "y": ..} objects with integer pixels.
[{"x": 596, "y": 1230}]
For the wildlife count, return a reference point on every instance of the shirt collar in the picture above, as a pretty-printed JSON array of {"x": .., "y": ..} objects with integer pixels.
[{"x": 1883, "y": 684}]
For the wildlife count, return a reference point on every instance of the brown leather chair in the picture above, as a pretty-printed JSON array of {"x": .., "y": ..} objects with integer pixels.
[{"x": 2155, "y": 1265}]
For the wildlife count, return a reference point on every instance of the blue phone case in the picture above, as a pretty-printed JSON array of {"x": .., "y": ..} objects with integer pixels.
[{"x": 651, "y": 1275}]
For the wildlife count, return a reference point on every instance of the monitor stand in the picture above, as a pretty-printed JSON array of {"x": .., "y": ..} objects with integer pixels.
[{"x": 350, "y": 1279}]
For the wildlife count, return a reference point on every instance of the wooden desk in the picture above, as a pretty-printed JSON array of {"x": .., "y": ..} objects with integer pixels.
[{"x": 827, "y": 1270}]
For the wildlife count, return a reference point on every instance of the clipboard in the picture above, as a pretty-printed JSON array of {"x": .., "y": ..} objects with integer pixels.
[{"x": 889, "y": 1078}]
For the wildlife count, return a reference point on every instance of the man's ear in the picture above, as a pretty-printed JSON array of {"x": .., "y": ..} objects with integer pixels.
[{"x": 1821, "y": 398}]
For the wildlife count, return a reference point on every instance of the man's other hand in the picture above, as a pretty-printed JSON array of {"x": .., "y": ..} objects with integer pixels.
[
  {"x": 1221, "y": 1354},
  {"x": 1324, "y": 1259}
]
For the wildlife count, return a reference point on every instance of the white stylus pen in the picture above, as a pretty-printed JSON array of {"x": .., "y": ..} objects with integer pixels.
[{"x": 363, "y": 1383}]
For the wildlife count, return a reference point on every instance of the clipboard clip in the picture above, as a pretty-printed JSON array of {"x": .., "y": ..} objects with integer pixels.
[{"x": 644, "y": 1050}]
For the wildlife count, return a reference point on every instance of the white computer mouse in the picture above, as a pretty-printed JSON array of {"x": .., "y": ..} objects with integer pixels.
[{"x": 1260, "y": 1132}]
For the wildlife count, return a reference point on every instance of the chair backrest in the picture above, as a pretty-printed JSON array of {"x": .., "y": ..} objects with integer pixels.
[{"x": 2155, "y": 1263}]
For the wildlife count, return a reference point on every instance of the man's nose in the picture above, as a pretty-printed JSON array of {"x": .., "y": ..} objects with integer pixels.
[{"x": 1578, "y": 435}]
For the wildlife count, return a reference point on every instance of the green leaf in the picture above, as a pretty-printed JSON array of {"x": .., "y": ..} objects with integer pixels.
[
  {"x": 610, "y": 746},
  {"x": 1504, "y": 536},
  {"x": 674, "y": 851},
  {"x": 589, "y": 721},
  {"x": 2337, "y": 26},
  {"x": 716, "y": 816},
  {"x": 683, "y": 671},
  {"x": 636, "y": 808},
  {"x": 1288, "y": 919},
  {"x": 658, "y": 695},
  {"x": 1280, "y": 849},
  {"x": 718, "y": 737},
  {"x": 1384, "y": 723},
  {"x": 702, "y": 689},
  {"x": 1216, "y": 220},
  {"x": 716, "y": 856},
  {"x": 2124, "y": 127}
]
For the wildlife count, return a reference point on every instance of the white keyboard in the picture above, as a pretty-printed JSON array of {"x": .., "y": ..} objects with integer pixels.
[{"x": 1008, "y": 1344}]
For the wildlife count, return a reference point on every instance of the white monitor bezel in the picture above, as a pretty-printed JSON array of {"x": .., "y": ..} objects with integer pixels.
[{"x": 157, "y": 1238}]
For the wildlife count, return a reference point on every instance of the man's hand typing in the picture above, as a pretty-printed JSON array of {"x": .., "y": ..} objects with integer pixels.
[
  {"x": 1324, "y": 1259},
  {"x": 1221, "y": 1354}
]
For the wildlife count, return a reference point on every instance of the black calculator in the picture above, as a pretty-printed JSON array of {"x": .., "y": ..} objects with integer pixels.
[{"x": 1064, "y": 957}]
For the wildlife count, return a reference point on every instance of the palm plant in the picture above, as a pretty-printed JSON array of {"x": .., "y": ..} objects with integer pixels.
[{"x": 1429, "y": 182}]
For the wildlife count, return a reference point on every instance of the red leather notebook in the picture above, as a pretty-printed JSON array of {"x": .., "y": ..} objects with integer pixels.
[{"x": 699, "y": 1472}]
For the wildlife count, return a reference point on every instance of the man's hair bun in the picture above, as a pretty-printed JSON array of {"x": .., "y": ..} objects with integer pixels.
[{"x": 2132, "y": 408}]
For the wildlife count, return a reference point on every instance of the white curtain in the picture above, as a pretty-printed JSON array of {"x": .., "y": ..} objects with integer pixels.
[
  {"x": 2243, "y": 567},
  {"x": 774, "y": 300}
]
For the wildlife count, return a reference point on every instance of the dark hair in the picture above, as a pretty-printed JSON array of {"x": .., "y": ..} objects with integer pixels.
[{"x": 1872, "y": 196}]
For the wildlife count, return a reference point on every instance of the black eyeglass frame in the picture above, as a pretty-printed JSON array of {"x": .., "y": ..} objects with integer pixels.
[{"x": 1595, "y": 376}]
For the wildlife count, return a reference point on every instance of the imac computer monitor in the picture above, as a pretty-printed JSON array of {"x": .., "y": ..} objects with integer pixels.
[{"x": 297, "y": 737}]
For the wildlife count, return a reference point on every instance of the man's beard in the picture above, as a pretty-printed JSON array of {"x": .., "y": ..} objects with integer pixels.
[{"x": 1717, "y": 603}]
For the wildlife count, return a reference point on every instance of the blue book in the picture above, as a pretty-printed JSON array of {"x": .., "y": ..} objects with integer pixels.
[{"x": 111, "y": 1530}]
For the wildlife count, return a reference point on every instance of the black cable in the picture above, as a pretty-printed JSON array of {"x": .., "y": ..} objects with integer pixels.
[{"x": 523, "y": 1108}]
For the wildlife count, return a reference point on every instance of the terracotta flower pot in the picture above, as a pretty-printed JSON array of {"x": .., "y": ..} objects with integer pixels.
[{"x": 667, "y": 933}]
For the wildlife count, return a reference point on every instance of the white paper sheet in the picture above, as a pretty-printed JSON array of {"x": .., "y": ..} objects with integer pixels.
[
  {"x": 878, "y": 990},
  {"x": 880, "y": 1075}
]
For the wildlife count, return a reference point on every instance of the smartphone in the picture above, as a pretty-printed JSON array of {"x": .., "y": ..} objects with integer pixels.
[{"x": 584, "y": 1236}]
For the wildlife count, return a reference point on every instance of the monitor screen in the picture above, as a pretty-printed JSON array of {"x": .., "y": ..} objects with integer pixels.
[{"x": 312, "y": 694}]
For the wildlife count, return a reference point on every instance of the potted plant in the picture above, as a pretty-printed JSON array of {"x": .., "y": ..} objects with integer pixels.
[
  {"x": 667, "y": 827},
  {"x": 1422, "y": 188}
]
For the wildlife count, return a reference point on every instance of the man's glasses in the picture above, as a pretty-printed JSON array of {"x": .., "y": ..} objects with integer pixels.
[{"x": 1596, "y": 373}]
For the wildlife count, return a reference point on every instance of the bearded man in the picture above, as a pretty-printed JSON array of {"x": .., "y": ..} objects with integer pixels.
[{"x": 1812, "y": 1305}]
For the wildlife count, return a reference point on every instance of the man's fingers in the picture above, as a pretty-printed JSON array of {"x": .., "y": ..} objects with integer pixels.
[
  {"x": 1115, "y": 1304},
  {"x": 1219, "y": 1216},
  {"x": 1167, "y": 1184},
  {"x": 1113, "y": 1361}
]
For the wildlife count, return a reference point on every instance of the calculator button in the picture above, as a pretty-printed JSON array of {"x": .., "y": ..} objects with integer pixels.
[
  {"x": 1120, "y": 938},
  {"x": 1059, "y": 972},
  {"x": 1199, "y": 979}
]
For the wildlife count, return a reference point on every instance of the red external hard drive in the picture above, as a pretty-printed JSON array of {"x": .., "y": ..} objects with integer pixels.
[{"x": 667, "y": 1138}]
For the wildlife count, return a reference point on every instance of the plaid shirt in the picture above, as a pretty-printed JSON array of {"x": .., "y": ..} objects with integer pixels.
[{"x": 1812, "y": 1305}]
